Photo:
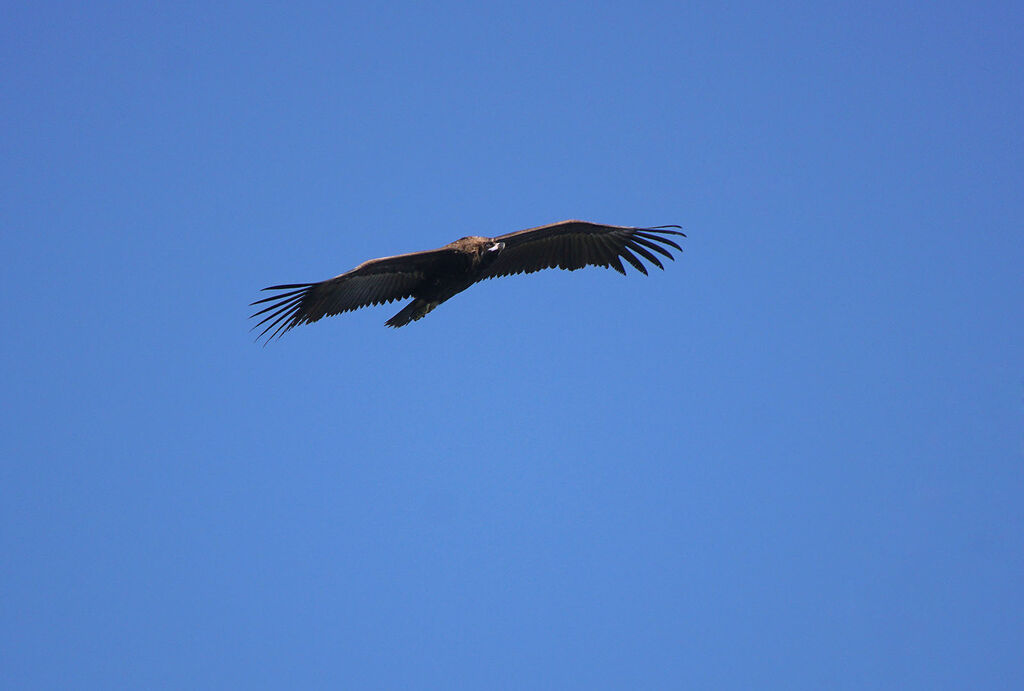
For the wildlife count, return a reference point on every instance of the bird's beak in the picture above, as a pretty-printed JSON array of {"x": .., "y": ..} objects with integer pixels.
[{"x": 497, "y": 247}]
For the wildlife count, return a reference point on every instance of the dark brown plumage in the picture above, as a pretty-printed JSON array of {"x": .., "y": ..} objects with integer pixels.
[{"x": 433, "y": 276}]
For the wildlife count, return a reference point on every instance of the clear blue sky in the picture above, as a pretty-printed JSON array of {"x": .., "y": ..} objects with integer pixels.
[{"x": 792, "y": 460}]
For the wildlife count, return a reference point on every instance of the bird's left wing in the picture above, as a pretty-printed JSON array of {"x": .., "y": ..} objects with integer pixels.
[
  {"x": 371, "y": 283},
  {"x": 574, "y": 244}
]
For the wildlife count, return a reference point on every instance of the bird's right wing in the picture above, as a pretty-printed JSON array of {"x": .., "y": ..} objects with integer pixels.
[
  {"x": 371, "y": 283},
  {"x": 574, "y": 244}
]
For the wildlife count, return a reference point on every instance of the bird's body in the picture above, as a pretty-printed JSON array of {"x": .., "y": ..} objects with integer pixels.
[
  {"x": 457, "y": 266},
  {"x": 433, "y": 276}
]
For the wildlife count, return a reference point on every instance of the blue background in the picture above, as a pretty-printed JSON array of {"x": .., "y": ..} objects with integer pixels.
[{"x": 792, "y": 460}]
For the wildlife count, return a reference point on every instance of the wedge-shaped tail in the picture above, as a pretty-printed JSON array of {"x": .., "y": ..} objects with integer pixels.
[{"x": 417, "y": 309}]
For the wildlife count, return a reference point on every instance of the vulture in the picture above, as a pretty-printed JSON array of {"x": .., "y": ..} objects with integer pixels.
[{"x": 433, "y": 276}]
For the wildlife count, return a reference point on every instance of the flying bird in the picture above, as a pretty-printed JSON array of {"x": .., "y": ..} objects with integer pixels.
[{"x": 433, "y": 276}]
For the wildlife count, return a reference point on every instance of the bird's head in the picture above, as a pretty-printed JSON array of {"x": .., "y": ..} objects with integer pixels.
[{"x": 489, "y": 252}]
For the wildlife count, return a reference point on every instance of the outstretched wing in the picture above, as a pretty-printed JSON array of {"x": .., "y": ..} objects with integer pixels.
[
  {"x": 371, "y": 283},
  {"x": 574, "y": 244}
]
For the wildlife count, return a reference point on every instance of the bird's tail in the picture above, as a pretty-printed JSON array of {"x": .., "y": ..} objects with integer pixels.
[{"x": 417, "y": 309}]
